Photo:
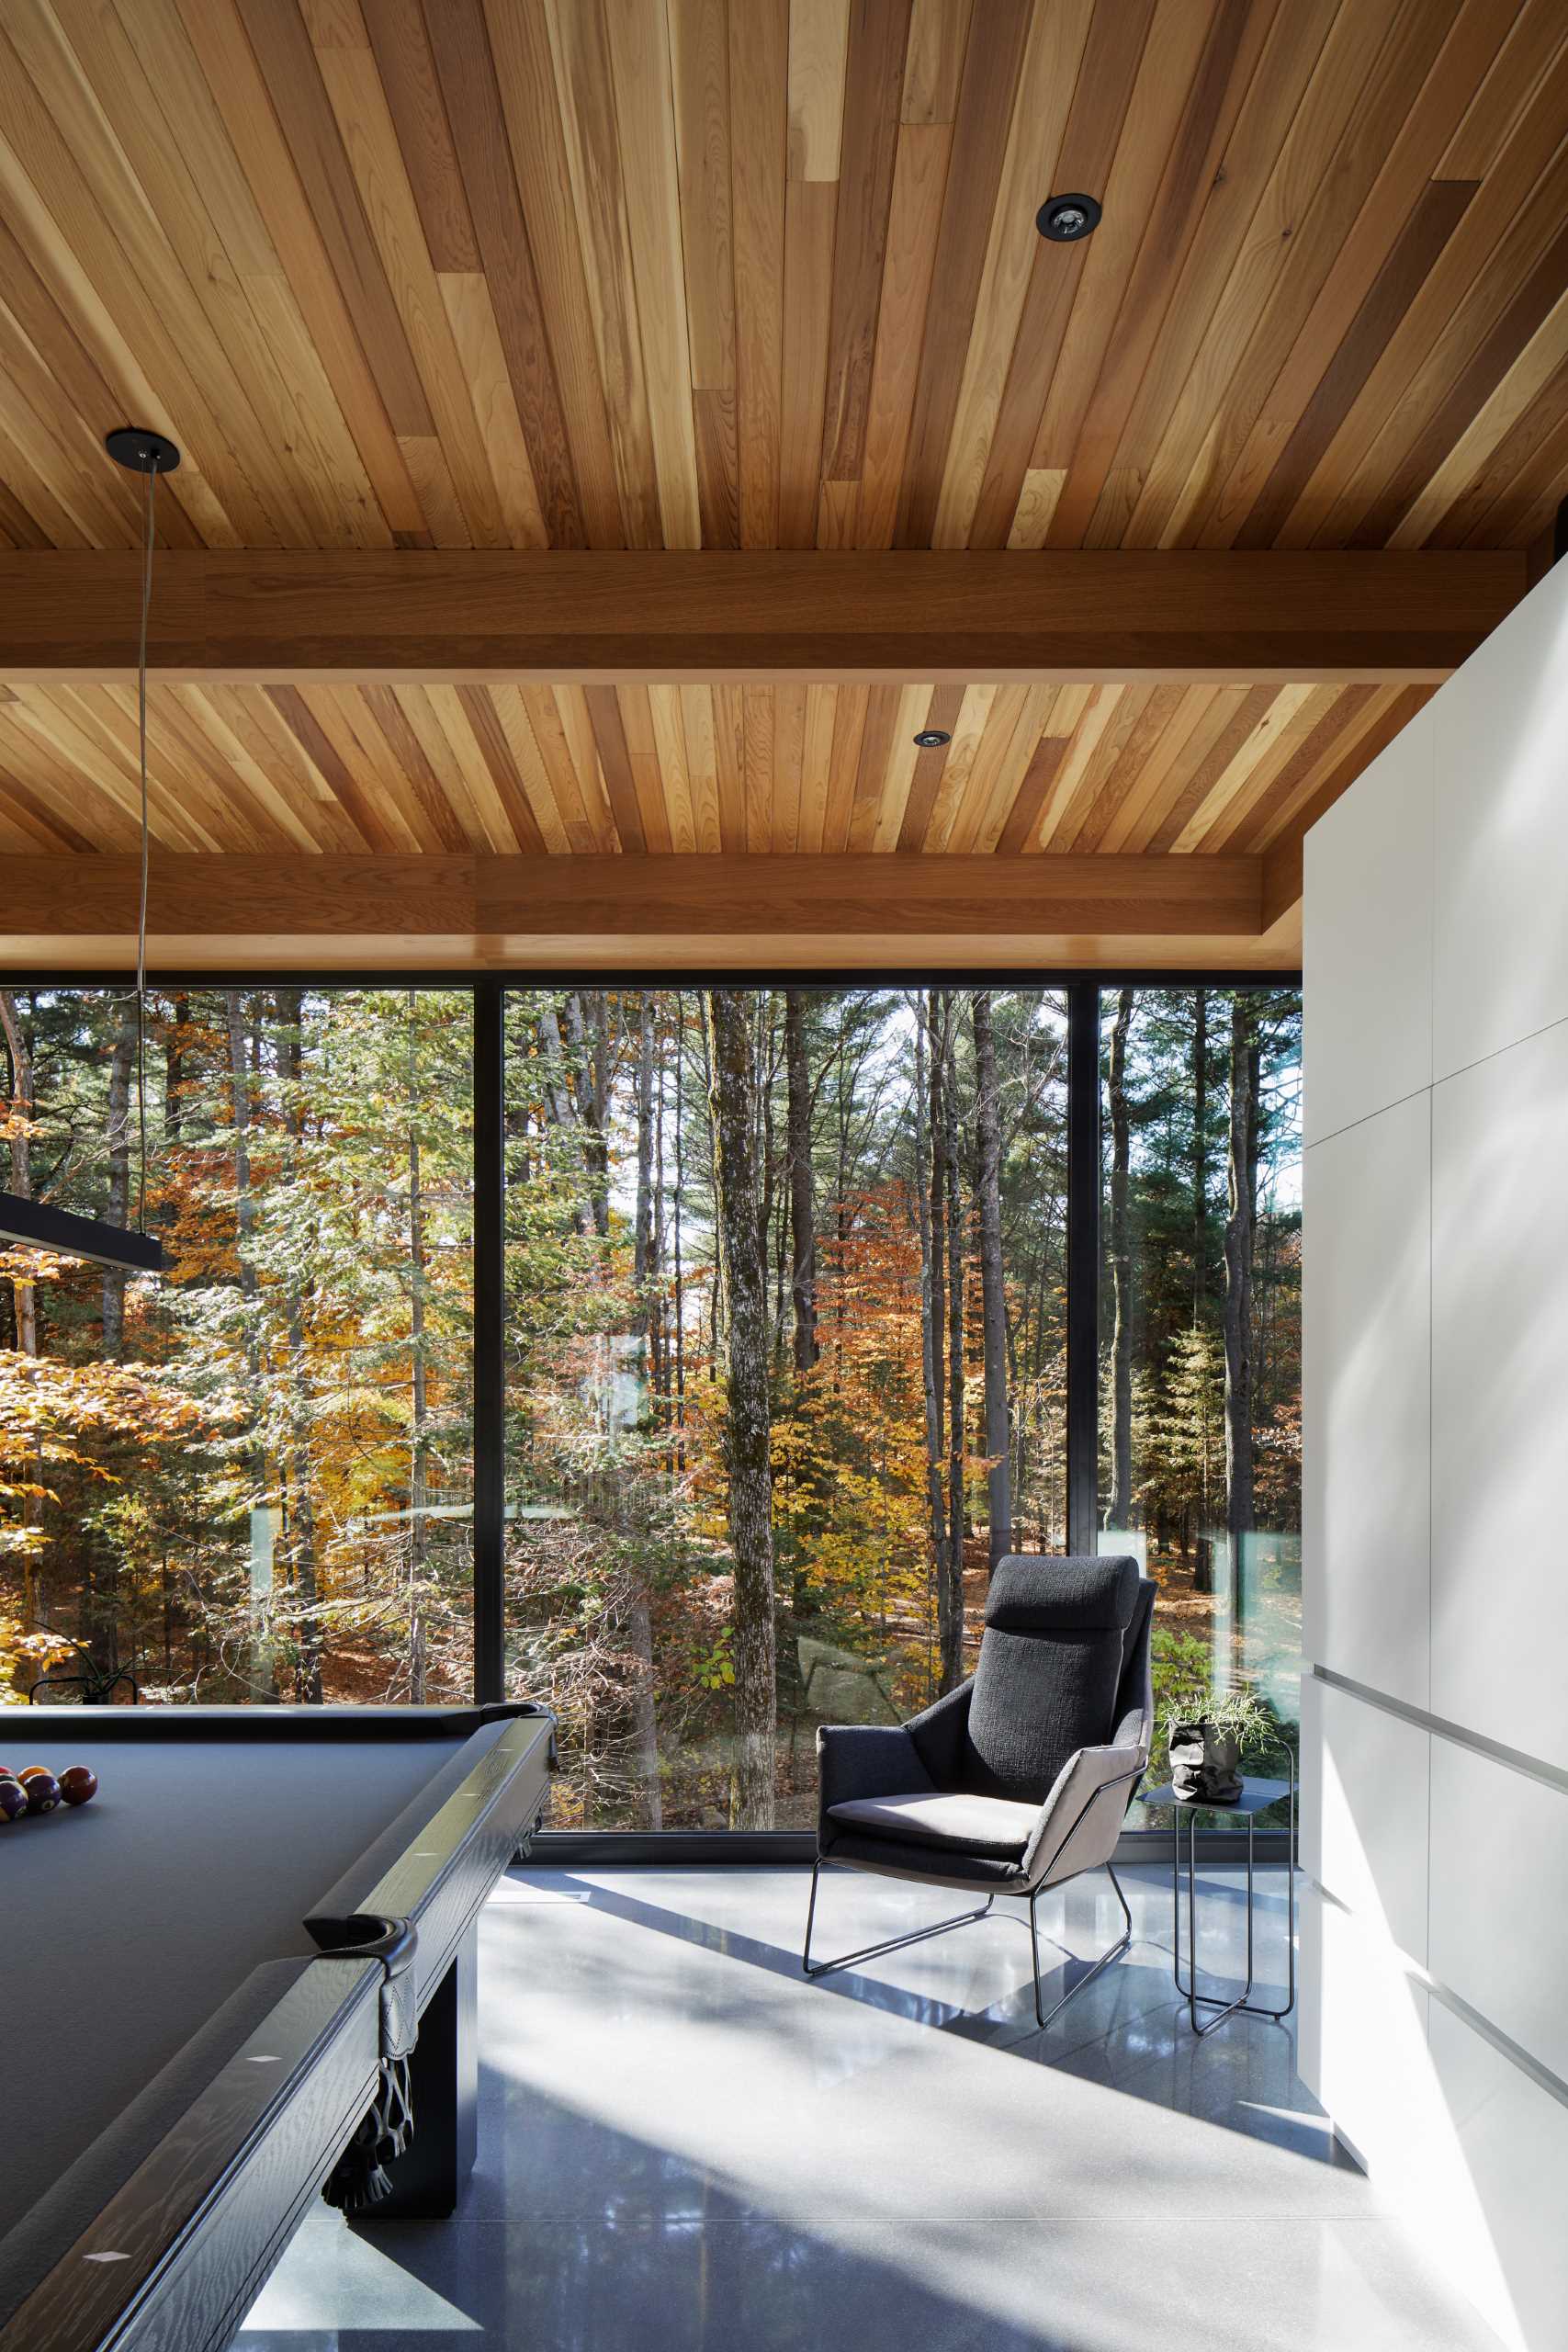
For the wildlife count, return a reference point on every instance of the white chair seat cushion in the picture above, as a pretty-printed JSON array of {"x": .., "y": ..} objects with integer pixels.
[{"x": 996, "y": 1826}]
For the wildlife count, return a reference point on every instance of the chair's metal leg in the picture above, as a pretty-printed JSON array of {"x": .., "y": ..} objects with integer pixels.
[
  {"x": 1113, "y": 1953},
  {"x": 873, "y": 1952}
]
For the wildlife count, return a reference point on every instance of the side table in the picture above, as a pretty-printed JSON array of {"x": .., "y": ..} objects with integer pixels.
[{"x": 1256, "y": 1797}]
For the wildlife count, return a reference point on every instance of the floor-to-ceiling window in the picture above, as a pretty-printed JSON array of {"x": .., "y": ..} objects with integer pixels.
[
  {"x": 1199, "y": 1339},
  {"x": 785, "y": 1272},
  {"x": 781, "y": 1358},
  {"x": 249, "y": 1478}
]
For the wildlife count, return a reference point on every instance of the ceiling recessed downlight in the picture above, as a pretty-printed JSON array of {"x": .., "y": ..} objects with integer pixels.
[
  {"x": 1067, "y": 219},
  {"x": 931, "y": 738}
]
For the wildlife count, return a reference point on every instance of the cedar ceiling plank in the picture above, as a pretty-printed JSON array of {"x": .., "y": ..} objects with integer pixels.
[
  {"x": 33, "y": 816},
  {"x": 920, "y": 180},
  {"x": 699, "y": 64},
  {"x": 1535, "y": 39},
  {"x": 1288, "y": 723},
  {"x": 1005, "y": 720},
  {"x": 1388, "y": 53},
  {"x": 945, "y": 706},
  {"x": 817, "y": 765},
  {"x": 481, "y": 711},
  {"x": 387, "y": 709},
  {"x": 759, "y": 99},
  {"x": 1237, "y": 39},
  {"x": 552, "y": 286},
  {"x": 979, "y": 147},
  {"x": 934, "y": 64},
  {"x": 701, "y": 765},
  {"x": 580, "y": 47},
  {"x": 871, "y": 774},
  {"x": 1518, "y": 213},
  {"x": 873, "y": 78},
  {"x": 849, "y": 731},
  {"x": 1159, "y": 103},
  {"x": 1507, "y": 521},
  {"x": 674, "y": 767},
  {"x": 729, "y": 762},
  {"x": 467, "y": 76},
  {"x": 1217, "y": 760},
  {"x": 290, "y": 67},
  {"x": 1027, "y": 809},
  {"x": 1469, "y": 390},
  {"x": 229, "y": 64},
  {"x": 408, "y": 74},
  {"x": 789, "y": 751},
  {"x": 810, "y": 212},
  {"x": 636, "y": 723},
  {"x": 1083, "y": 829},
  {"x": 344, "y": 722},
  {"x": 1100, "y": 98},
  {"x": 1101, "y": 736},
  {"x": 357, "y": 806},
  {"x": 60, "y": 787},
  {"x": 1402, "y": 181},
  {"x": 1322, "y": 749},
  {"x": 1362, "y": 752},
  {"x": 605, "y": 712},
  {"x": 1438, "y": 211}
]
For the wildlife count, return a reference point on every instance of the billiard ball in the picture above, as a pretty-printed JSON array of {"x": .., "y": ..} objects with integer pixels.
[
  {"x": 43, "y": 1791},
  {"x": 78, "y": 1783},
  {"x": 13, "y": 1799}
]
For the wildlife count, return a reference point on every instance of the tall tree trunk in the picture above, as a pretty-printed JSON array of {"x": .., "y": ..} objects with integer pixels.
[
  {"x": 1204, "y": 1542},
  {"x": 949, "y": 1632},
  {"x": 239, "y": 1082},
  {"x": 639, "y": 1621},
  {"x": 802, "y": 1190},
  {"x": 174, "y": 1068},
  {"x": 929, "y": 1197},
  {"x": 308, "y": 1665},
  {"x": 678, "y": 1270},
  {"x": 22, "y": 1294},
  {"x": 993, "y": 1297},
  {"x": 419, "y": 1465},
  {"x": 21, "y": 1108},
  {"x": 1241, "y": 1183},
  {"x": 953, "y": 1660},
  {"x": 1118, "y": 1513},
  {"x": 593, "y": 1051},
  {"x": 117, "y": 1207},
  {"x": 558, "y": 1092},
  {"x": 732, "y": 1105}
]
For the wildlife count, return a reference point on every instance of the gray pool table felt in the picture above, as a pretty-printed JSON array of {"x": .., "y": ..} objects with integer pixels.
[{"x": 125, "y": 1926}]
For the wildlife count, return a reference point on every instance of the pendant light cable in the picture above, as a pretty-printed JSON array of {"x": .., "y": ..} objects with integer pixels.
[{"x": 151, "y": 480}]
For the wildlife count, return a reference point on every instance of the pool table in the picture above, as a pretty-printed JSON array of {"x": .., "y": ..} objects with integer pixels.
[{"x": 259, "y": 1934}]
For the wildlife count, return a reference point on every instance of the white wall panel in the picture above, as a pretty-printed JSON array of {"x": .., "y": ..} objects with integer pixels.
[
  {"x": 1364, "y": 1797},
  {"x": 1500, "y": 1397},
  {"x": 1500, "y": 920},
  {"x": 1366, "y": 1369},
  {"x": 1499, "y": 1897},
  {"x": 1367, "y": 938},
  {"x": 1499, "y": 2228}
]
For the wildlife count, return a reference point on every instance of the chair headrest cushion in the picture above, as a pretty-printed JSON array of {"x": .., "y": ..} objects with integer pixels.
[{"x": 1086, "y": 1592}]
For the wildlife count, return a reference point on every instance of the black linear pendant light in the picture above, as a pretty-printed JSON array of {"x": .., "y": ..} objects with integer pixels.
[{"x": 35, "y": 1225}]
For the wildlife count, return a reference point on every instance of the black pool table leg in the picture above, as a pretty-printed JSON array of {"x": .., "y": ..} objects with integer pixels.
[{"x": 445, "y": 2080}]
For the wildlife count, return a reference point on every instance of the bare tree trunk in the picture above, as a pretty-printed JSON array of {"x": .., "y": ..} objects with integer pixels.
[
  {"x": 23, "y": 1296},
  {"x": 174, "y": 1069},
  {"x": 1203, "y": 1543},
  {"x": 117, "y": 1208},
  {"x": 732, "y": 1102},
  {"x": 592, "y": 1097},
  {"x": 308, "y": 1666},
  {"x": 1120, "y": 1503},
  {"x": 929, "y": 1197},
  {"x": 239, "y": 1080},
  {"x": 993, "y": 1297},
  {"x": 802, "y": 1190},
  {"x": 679, "y": 1204},
  {"x": 639, "y": 1621},
  {"x": 419, "y": 1466},
  {"x": 952, "y": 1660},
  {"x": 950, "y": 1643},
  {"x": 21, "y": 1155},
  {"x": 1241, "y": 1181}
]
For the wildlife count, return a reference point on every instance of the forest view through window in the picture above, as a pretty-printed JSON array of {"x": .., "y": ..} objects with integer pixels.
[
  {"x": 249, "y": 1478},
  {"x": 786, "y": 1282},
  {"x": 1200, "y": 1340},
  {"x": 783, "y": 1352}
]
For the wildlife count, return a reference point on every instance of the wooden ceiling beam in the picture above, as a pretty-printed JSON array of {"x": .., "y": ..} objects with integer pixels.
[
  {"x": 950, "y": 617},
  {"x": 251, "y": 912}
]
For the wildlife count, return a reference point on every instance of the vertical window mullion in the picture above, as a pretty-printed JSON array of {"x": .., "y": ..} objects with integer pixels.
[
  {"x": 1083, "y": 1264},
  {"x": 490, "y": 1336}
]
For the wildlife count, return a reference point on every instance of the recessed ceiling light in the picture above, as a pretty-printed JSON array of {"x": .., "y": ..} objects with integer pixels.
[
  {"x": 931, "y": 738},
  {"x": 1066, "y": 218}
]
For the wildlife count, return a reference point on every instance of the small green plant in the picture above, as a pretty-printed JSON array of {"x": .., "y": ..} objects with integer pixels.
[{"x": 1184, "y": 1693}]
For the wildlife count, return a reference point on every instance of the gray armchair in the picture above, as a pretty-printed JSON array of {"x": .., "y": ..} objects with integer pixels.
[{"x": 1021, "y": 1777}]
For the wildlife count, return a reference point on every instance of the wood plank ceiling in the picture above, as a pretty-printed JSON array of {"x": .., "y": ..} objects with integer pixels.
[
  {"x": 610, "y": 274},
  {"x": 578, "y": 770}
]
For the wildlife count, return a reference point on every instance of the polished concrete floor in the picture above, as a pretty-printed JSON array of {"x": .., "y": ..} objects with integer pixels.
[{"x": 686, "y": 2147}]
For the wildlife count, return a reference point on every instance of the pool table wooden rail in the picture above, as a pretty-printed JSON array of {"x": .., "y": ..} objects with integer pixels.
[{"x": 179, "y": 2252}]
